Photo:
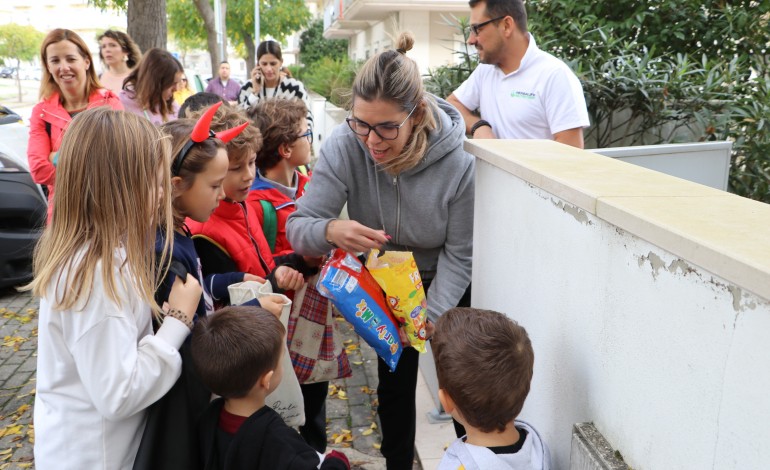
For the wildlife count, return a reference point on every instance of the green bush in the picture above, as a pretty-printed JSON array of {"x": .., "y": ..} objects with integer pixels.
[
  {"x": 313, "y": 46},
  {"x": 332, "y": 78},
  {"x": 296, "y": 71},
  {"x": 699, "y": 65}
]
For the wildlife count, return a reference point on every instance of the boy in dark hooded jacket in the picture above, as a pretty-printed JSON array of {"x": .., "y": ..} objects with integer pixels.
[{"x": 238, "y": 431}]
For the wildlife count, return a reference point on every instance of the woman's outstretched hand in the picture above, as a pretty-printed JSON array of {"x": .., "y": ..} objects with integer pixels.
[{"x": 354, "y": 237}]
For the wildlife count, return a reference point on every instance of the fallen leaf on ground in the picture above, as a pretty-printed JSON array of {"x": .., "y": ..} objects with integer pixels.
[
  {"x": 14, "y": 342},
  {"x": 11, "y": 430},
  {"x": 345, "y": 435}
]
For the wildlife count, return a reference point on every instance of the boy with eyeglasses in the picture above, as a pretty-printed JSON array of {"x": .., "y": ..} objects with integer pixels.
[
  {"x": 522, "y": 92},
  {"x": 316, "y": 356}
]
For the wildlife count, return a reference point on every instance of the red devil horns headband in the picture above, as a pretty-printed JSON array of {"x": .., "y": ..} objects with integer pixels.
[{"x": 202, "y": 131}]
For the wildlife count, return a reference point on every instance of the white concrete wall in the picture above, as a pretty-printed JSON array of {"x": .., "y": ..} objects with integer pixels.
[{"x": 671, "y": 361}]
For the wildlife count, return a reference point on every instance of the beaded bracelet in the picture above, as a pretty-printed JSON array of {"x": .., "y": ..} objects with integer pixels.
[{"x": 181, "y": 316}]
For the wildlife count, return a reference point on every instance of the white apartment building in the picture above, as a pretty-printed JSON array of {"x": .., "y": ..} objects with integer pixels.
[
  {"x": 45, "y": 15},
  {"x": 371, "y": 26}
]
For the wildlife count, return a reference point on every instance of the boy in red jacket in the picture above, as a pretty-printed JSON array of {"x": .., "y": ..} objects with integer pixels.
[{"x": 232, "y": 239}]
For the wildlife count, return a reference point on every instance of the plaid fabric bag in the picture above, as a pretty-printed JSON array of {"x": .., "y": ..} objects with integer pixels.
[{"x": 315, "y": 345}]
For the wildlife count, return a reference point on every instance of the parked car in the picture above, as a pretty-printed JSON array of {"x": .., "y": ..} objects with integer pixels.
[
  {"x": 22, "y": 203},
  {"x": 31, "y": 73},
  {"x": 8, "y": 72}
]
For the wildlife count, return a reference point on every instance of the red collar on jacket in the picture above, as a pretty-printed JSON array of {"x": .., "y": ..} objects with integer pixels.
[{"x": 53, "y": 108}]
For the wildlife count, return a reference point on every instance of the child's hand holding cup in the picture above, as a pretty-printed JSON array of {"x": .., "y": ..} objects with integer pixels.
[{"x": 273, "y": 304}]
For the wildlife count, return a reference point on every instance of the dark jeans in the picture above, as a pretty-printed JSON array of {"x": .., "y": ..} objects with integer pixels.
[
  {"x": 314, "y": 429},
  {"x": 397, "y": 410}
]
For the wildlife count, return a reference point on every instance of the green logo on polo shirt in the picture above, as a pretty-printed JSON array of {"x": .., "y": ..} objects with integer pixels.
[{"x": 522, "y": 95}]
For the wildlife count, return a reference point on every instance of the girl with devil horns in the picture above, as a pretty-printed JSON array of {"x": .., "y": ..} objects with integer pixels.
[{"x": 198, "y": 167}]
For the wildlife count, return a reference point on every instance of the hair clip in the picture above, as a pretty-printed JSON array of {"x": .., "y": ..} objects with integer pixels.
[{"x": 202, "y": 131}]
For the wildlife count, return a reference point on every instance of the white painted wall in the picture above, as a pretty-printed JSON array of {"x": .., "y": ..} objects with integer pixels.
[{"x": 671, "y": 362}]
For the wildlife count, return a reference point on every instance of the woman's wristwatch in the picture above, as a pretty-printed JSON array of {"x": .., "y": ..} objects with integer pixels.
[
  {"x": 179, "y": 315},
  {"x": 326, "y": 234}
]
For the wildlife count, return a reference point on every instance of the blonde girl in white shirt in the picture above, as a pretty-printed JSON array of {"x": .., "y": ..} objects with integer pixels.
[{"x": 99, "y": 364}]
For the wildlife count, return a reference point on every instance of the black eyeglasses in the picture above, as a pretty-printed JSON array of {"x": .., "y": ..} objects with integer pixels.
[
  {"x": 476, "y": 28},
  {"x": 384, "y": 131},
  {"x": 308, "y": 135}
]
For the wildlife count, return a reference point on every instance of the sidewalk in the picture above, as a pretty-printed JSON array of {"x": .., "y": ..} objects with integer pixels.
[
  {"x": 353, "y": 426},
  {"x": 18, "y": 359}
]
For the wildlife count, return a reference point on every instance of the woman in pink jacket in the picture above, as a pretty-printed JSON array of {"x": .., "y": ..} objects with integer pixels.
[{"x": 69, "y": 86}]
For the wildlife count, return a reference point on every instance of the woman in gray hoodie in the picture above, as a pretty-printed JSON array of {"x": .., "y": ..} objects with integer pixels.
[{"x": 400, "y": 166}]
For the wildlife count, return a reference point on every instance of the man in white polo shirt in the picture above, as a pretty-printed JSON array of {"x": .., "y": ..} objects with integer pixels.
[{"x": 521, "y": 91}]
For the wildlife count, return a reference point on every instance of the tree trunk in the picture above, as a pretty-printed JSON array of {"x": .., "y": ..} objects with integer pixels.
[
  {"x": 147, "y": 23},
  {"x": 251, "y": 52},
  {"x": 207, "y": 14}
]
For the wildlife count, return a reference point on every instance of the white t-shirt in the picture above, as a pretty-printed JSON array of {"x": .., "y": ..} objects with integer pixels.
[
  {"x": 541, "y": 98},
  {"x": 99, "y": 367}
]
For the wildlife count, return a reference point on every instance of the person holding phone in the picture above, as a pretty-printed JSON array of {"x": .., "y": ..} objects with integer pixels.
[{"x": 268, "y": 80}]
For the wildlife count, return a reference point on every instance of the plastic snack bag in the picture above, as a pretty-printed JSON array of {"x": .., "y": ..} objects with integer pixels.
[
  {"x": 396, "y": 272},
  {"x": 346, "y": 282}
]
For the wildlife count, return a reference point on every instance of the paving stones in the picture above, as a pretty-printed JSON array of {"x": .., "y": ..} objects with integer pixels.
[
  {"x": 360, "y": 401},
  {"x": 18, "y": 360}
]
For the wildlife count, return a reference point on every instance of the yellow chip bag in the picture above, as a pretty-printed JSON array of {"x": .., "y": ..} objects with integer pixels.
[{"x": 396, "y": 272}]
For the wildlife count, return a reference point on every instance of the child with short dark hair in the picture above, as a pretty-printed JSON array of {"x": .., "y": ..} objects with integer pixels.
[
  {"x": 238, "y": 430},
  {"x": 198, "y": 101},
  {"x": 484, "y": 362}
]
